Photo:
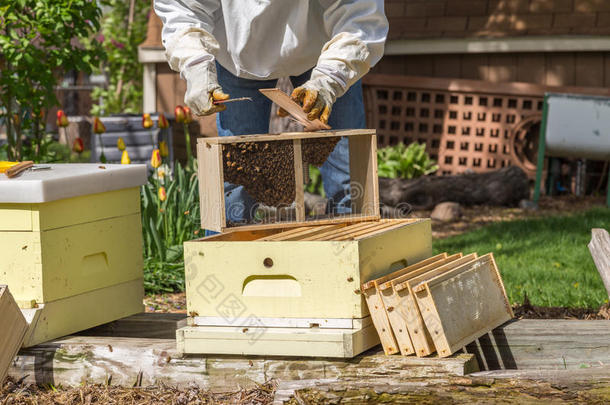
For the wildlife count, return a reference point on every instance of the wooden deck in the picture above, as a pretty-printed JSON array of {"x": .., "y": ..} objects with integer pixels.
[{"x": 141, "y": 350}]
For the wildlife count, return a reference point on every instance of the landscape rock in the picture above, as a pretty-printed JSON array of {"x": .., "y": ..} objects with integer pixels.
[{"x": 446, "y": 211}]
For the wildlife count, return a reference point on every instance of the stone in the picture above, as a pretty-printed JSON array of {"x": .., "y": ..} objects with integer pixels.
[
  {"x": 527, "y": 205},
  {"x": 446, "y": 211}
]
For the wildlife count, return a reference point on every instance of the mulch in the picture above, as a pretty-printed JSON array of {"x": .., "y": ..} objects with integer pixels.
[{"x": 17, "y": 393}]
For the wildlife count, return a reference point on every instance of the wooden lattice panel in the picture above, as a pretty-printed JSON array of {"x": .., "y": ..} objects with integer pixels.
[{"x": 465, "y": 124}]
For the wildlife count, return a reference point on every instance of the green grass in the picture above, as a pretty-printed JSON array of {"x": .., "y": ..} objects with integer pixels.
[{"x": 547, "y": 258}]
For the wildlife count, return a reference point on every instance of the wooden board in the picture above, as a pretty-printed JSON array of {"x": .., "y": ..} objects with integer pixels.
[
  {"x": 71, "y": 360},
  {"x": 299, "y": 184},
  {"x": 287, "y": 136},
  {"x": 300, "y": 342},
  {"x": 544, "y": 344},
  {"x": 364, "y": 182},
  {"x": 211, "y": 185},
  {"x": 463, "y": 304},
  {"x": 12, "y": 330},
  {"x": 600, "y": 251},
  {"x": 296, "y": 111}
]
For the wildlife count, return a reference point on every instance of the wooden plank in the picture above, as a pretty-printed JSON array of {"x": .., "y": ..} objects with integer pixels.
[
  {"x": 316, "y": 230},
  {"x": 299, "y": 184},
  {"x": 333, "y": 234},
  {"x": 280, "y": 235},
  {"x": 144, "y": 325},
  {"x": 12, "y": 331},
  {"x": 600, "y": 251},
  {"x": 463, "y": 304},
  {"x": 296, "y": 111},
  {"x": 306, "y": 323},
  {"x": 364, "y": 183},
  {"x": 373, "y": 232},
  {"x": 380, "y": 227},
  {"x": 405, "y": 317},
  {"x": 211, "y": 186},
  {"x": 288, "y": 136},
  {"x": 70, "y": 361},
  {"x": 349, "y": 218},
  {"x": 545, "y": 344}
]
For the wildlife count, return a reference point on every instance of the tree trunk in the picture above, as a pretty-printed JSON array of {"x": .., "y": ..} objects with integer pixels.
[{"x": 506, "y": 186}]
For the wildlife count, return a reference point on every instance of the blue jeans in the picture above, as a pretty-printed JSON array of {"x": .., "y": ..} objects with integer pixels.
[{"x": 246, "y": 118}]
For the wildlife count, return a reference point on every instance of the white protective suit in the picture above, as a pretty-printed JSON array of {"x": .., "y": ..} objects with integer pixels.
[{"x": 269, "y": 39}]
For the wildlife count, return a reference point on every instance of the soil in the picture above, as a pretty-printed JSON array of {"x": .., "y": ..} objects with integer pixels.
[{"x": 266, "y": 169}]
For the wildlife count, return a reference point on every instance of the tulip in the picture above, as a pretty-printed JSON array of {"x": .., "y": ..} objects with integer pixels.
[
  {"x": 163, "y": 149},
  {"x": 147, "y": 122},
  {"x": 125, "y": 158},
  {"x": 62, "y": 120},
  {"x": 162, "y": 122},
  {"x": 155, "y": 159},
  {"x": 188, "y": 117},
  {"x": 120, "y": 143},
  {"x": 98, "y": 126},
  {"x": 162, "y": 194},
  {"x": 180, "y": 114},
  {"x": 78, "y": 146}
]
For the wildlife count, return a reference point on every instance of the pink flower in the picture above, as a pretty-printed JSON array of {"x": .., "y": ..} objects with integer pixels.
[{"x": 116, "y": 43}]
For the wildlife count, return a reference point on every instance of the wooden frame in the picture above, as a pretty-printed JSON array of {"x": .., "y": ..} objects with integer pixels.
[
  {"x": 382, "y": 314},
  {"x": 363, "y": 172},
  {"x": 463, "y": 304},
  {"x": 12, "y": 331}
]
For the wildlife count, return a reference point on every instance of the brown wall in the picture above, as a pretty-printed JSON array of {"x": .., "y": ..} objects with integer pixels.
[
  {"x": 589, "y": 69},
  {"x": 496, "y": 18}
]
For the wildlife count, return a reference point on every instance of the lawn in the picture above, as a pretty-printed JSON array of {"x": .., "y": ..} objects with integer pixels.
[{"x": 546, "y": 258}]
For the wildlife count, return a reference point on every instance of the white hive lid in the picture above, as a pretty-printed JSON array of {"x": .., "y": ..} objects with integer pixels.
[{"x": 69, "y": 180}]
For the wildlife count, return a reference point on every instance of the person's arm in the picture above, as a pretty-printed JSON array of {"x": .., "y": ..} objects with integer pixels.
[
  {"x": 358, "y": 30},
  {"x": 190, "y": 49}
]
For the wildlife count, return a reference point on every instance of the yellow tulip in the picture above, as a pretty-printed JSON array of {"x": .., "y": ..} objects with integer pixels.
[
  {"x": 155, "y": 159},
  {"x": 163, "y": 149},
  {"x": 125, "y": 158},
  {"x": 120, "y": 143},
  {"x": 162, "y": 194},
  {"x": 98, "y": 126},
  {"x": 147, "y": 122}
]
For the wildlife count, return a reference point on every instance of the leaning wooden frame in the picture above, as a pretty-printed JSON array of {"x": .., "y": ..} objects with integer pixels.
[{"x": 217, "y": 157}]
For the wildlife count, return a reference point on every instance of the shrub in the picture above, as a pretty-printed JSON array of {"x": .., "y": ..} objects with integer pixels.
[
  {"x": 405, "y": 162},
  {"x": 39, "y": 42}
]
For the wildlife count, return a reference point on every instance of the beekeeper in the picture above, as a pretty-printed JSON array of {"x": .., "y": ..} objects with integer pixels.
[{"x": 235, "y": 47}]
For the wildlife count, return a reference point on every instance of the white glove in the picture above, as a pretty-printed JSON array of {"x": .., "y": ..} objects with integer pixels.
[
  {"x": 191, "y": 52},
  {"x": 202, "y": 89},
  {"x": 343, "y": 61}
]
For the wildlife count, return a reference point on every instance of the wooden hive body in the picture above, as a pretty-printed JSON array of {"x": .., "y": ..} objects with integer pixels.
[
  {"x": 363, "y": 172},
  {"x": 73, "y": 263},
  {"x": 305, "y": 280}
]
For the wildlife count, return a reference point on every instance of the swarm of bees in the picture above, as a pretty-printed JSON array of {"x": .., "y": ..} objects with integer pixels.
[{"x": 266, "y": 169}]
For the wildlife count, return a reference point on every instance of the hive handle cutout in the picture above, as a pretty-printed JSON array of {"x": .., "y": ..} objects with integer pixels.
[
  {"x": 397, "y": 265},
  {"x": 271, "y": 286}
]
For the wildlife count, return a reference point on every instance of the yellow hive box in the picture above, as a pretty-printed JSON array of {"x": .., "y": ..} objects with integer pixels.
[
  {"x": 293, "y": 291},
  {"x": 71, "y": 246}
]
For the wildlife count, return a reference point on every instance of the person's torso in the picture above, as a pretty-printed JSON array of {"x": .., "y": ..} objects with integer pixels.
[{"x": 267, "y": 39}]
